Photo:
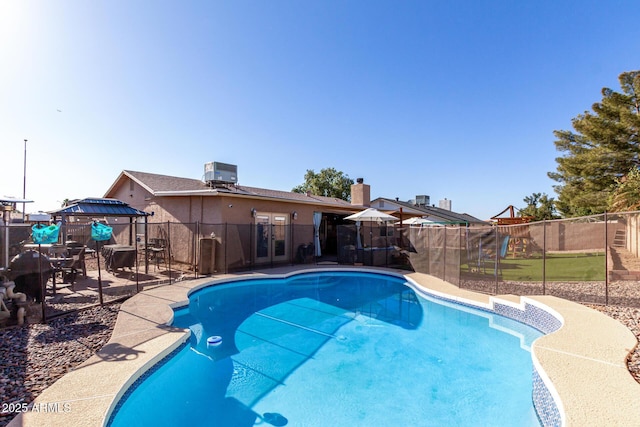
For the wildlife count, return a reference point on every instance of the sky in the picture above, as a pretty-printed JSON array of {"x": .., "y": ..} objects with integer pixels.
[{"x": 450, "y": 99}]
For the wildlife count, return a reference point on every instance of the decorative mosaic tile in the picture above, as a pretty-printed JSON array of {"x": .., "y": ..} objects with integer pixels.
[
  {"x": 532, "y": 315},
  {"x": 545, "y": 405}
]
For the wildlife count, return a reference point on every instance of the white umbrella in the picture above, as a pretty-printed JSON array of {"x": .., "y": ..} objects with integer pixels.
[
  {"x": 416, "y": 220},
  {"x": 369, "y": 215}
]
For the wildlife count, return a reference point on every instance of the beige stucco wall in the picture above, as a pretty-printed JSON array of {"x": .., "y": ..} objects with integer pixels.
[
  {"x": 131, "y": 193},
  {"x": 227, "y": 216},
  {"x": 218, "y": 209}
]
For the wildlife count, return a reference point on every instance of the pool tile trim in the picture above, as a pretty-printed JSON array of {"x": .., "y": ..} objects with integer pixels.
[{"x": 128, "y": 389}]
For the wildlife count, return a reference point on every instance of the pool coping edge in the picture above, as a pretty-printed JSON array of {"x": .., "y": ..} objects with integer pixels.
[{"x": 143, "y": 319}]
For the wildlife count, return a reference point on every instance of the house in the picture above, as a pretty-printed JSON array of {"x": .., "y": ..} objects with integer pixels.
[
  {"x": 420, "y": 208},
  {"x": 278, "y": 223}
]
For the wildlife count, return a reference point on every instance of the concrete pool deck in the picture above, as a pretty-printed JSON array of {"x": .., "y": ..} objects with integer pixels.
[{"x": 585, "y": 359}]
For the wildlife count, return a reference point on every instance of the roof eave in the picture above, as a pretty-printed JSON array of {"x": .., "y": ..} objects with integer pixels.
[{"x": 212, "y": 192}]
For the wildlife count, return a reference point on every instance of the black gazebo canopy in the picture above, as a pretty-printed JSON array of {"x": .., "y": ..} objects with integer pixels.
[{"x": 94, "y": 208}]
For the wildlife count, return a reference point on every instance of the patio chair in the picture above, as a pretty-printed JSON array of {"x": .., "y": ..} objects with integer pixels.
[
  {"x": 158, "y": 252},
  {"x": 77, "y": 253},
  {"x": 71, "y": 268}
]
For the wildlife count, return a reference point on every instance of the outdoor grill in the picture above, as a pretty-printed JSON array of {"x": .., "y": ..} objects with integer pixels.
[{"x": 25, "y": 269}]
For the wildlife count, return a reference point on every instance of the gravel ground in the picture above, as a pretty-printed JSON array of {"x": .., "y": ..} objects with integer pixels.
[
  {"x": 35, "y": 356},
  {"x": 54, "y": 349},
  {"x": 630, "y": 317}
]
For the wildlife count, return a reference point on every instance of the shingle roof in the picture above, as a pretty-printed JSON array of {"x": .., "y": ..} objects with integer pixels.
[
  {"x": 165, "y": 185},
  {"x": 439, "y": 213}
]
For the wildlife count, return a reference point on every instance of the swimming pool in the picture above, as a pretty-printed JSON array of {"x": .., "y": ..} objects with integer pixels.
[{"x": 337, "y": 348}]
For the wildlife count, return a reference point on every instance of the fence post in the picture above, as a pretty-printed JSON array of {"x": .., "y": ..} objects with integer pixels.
[
  {"x": 137, "y": 261},
  {"x": 463, "y": 251},
  {"x": 169, "y": 248},
  {"x": 386, "y": 244},
  {"x": 606, "y": 259},
  {"x": 251, "y": 242},
  {"x": 192, "y": 233},
  {"x": 196, "y": 241},
  {"x": 146, "y": 245},
  {"x": 544, "y": 257},
  {"x": 226, "y": 245},
  {"x": 292, "y": 252},
  {"x": 635, "y": 231},
  {"x": 444, "y": 256},
  {"x": 497, "y": 261}
]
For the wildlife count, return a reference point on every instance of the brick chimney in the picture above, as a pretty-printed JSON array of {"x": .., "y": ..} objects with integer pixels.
[{"x": 361, "y": 193}]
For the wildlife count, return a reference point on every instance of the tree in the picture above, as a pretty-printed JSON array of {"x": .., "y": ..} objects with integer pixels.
[
  {"x": 603, "y": 148},
  {"x": 626, "y": 196},
  {"x": 539, "y": 206},
  {"x": 329, "y": 183}
]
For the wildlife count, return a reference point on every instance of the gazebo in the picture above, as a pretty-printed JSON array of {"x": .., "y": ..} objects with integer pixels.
[{"x": 99, "y": 208}]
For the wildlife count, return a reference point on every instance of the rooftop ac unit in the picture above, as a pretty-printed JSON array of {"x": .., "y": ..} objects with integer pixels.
[
  {"x": 220, "y": 172},
  {"x": 422, "y": 200}
]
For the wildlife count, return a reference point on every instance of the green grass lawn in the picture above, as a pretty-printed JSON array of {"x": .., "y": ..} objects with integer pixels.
[{"x": 559, "y": 268}]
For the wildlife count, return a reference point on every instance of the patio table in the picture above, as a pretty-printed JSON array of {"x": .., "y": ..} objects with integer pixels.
[
  {"x": 43, "y": 248},
  {"x": 118, "y": 256}
]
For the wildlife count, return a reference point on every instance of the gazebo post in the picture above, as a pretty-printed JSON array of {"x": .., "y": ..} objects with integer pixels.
[
  {"x": 63, "y": 228},
  {"x": 99, "y": 276},
  {"x": 42, "y": 285},
  {"x": 146, "y": 244}
]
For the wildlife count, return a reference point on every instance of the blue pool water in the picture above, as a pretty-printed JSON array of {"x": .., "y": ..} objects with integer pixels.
[{"x": 337, "y": 349}]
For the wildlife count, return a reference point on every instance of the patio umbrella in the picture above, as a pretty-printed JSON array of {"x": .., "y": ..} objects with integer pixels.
[
  {"x": 416, "y": 221},
  {"x": 369, "y": 215}
]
